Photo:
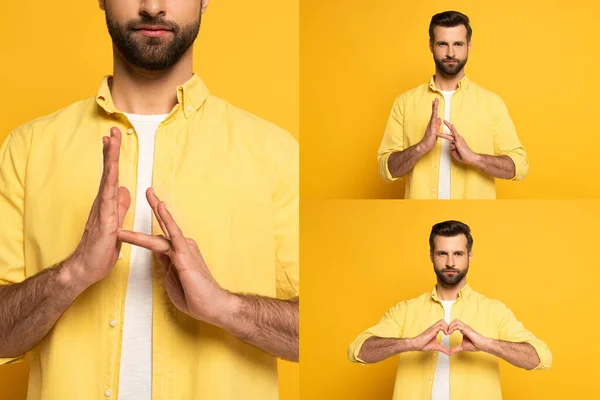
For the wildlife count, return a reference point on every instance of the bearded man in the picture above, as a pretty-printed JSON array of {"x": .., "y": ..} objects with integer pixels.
[
  {"x": 449, "y": 339},
  {"x": 479, "y": 142}
]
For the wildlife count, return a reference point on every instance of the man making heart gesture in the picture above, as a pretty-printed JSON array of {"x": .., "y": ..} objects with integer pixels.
[{"x": 449, "y": 339}]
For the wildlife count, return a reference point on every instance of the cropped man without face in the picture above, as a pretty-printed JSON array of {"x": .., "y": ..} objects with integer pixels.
[
  {"x": 183, "y": 282},
  {"x": 449, "y": 339},
  {"x": 478, "y": 143}
]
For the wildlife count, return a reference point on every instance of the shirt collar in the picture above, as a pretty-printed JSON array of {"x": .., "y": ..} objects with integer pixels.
[
  {"x": 191, "y": 95},
  {"x": 463, "y": 293},
  {"x": 462, "y": 84}
]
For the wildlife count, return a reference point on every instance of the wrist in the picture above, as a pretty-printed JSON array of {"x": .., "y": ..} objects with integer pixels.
[
  {"x": 69, "y": 276},
  {"x": 475, "y": 160},
  {"x": 227, "y": 307},
  {"x": 406, "y": 344},
  {"x": 420, "y": 149},
  {"x": 488, "y": 345}
]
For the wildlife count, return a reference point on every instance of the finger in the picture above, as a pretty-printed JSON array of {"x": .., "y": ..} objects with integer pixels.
[
  {"x": 441, "y": 349},
  {"x": 434, "y": 109},
  {"x": 110, "y": 177},
  {"x": 456, "y": 349},
  {"x": 124, "y": 203},
  {"x": 157, "y": 244},
  {"x": 154, "y": 201},
  {"x": 452, "y": 146},
  {"x": 164, "y": 259},
  {"x": 177, "y": 239},
  {"x": 446, "y": 136}
]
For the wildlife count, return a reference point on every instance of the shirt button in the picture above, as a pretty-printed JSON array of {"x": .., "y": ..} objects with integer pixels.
[
  {"x": 434, "y": 191},
  {"x": 120, "y": 256},
  {"x": 189, "y": 108},
  {"x": 113, "y": 322},
  {"x": 130, "y": 131},
  {"x": 108, "y": 392},
  {"x": 429, "y": 378},
  {"x": 435, "y": 166}
]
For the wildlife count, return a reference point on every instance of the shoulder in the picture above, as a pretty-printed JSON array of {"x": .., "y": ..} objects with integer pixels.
[
  {"x": 66, "y": 116},
  {"x": 486, "y": 94},
  {"x": 242, "y": 122},
  {"x": 489, "y": 303}
]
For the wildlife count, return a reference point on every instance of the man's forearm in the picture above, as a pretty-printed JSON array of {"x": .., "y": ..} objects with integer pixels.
[
  {"x": 402, "y": 162},
  {"x": 522, "y": 355},
  {"x": 270, "y": 324},
  {"x": 376, "y": 349},
  {"x": 498, "y": 166},
  {"x": 28, "y": 310}
]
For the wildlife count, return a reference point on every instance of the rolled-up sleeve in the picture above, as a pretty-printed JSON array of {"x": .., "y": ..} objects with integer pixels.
[
  {"x": 506, "y": 141},
  {"x": 513, "y": 330},
  {"x": 390, "y": 326},
  {"x": 13, "y": 155},
  {"x": 393, "y": 138}
]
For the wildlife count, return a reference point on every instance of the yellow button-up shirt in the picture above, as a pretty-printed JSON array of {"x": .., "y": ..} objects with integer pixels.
[
  {"x": 479, "y": 115},
  {"x": 473, "y": 375},
  {"x": 231, "y": 181}
]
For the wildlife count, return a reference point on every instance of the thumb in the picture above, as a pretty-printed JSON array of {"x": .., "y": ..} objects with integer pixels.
[{"x": 124, "y": 203}]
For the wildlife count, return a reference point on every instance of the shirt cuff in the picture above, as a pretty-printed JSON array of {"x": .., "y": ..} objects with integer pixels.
[
  {"x": 543, "y": 353},
  {"x": 354, "y": 348},
  {"x": 4, "y": 361},
  {"x": 384, "y": 170},
  {"x": 519, "y": 158}
]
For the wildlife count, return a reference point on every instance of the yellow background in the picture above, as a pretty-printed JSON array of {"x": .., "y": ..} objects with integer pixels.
[
  {"x": 356, "y": 57},
  {"x": 55, "y": 53},
  {"x": 359, "y": 258}
]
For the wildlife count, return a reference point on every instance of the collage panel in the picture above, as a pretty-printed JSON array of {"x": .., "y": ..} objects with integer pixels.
[
  {"x": 516, "y": 81},
  {"x": 226, "y": 153},
  {"x": 528, "y": 284}
]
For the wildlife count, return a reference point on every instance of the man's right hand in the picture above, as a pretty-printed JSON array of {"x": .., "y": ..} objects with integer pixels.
[
  {"x": 426, "y": 341},
  {"x": 99, "y": 248},
  {"x": 433, "y": 129}
]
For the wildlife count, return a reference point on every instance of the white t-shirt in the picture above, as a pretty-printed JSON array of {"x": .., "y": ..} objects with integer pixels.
[
  {"x": 441, "y": 381},
  {"x": 135, "y": 377},
  {"x": 444, "y": 180}
]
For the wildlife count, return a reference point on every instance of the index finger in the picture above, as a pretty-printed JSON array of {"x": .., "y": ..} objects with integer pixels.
[
  {"x": 177, "y": 239},
  {"x": 110, "y": 173}
]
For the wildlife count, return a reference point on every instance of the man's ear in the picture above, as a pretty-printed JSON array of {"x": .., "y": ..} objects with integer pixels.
[
  {"x": 102, "y": 4},
  {"x": 204, "y": 5}
]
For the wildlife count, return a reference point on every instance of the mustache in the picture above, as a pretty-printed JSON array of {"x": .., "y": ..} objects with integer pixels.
[
  {"x": 147, "y": 20},
  {"x": 451, "y": 59}
]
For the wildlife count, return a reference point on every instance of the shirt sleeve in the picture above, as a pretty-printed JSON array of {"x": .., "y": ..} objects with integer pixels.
[
  {"x": 13, "y": 154},
  {"x": 390, "y": 326},
  {"x": 513, "y": 330},
  {"x": 506, "y": 141},
  {"x": 285, "y": 218},
  {"x": 393, "y": 138}
]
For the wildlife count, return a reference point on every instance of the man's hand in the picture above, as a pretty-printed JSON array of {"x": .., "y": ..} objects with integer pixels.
[
  {"x": 98, "y": 250},
  {"x": 426, "y": 341},
  {"x": 188, "y": 281},
  {"x": 472, "y": 341},
  {"x": 459, "y": 149},
  {"x": 431, "y": 133}
]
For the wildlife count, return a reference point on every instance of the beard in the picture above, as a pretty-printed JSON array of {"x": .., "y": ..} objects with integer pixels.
[
  {"x": 152, "y": 53},
  {"x": 450, "y": 280},
  {"x": 450, "y": 69}
]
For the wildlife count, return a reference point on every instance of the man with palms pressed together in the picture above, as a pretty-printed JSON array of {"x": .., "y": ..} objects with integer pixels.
[
  {"x": 449, "y": 339},
  {"x": 208, "y": 299},
  {"x": 479, "y": 142}
]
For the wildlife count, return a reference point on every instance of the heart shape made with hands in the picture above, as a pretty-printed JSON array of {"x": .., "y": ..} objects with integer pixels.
[{"x": 471, "y": 340}]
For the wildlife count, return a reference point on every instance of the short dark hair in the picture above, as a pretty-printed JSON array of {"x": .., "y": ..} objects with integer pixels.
[
  {"x": 450, "y": 19},
  {"x": 450, "y": 229}
]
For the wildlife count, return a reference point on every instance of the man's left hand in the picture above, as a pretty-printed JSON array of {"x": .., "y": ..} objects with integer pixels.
[
  {"x": 459, "y": 149},
  {"x": 188, "y": 281},
  {"x": 472, "y": 341}
]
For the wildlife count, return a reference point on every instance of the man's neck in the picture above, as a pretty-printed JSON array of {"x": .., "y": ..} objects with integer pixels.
[
  {"x": 445, "y": 292},
  {"x": 446, "y": 82},
  {"x": 139, "y": 91}
]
